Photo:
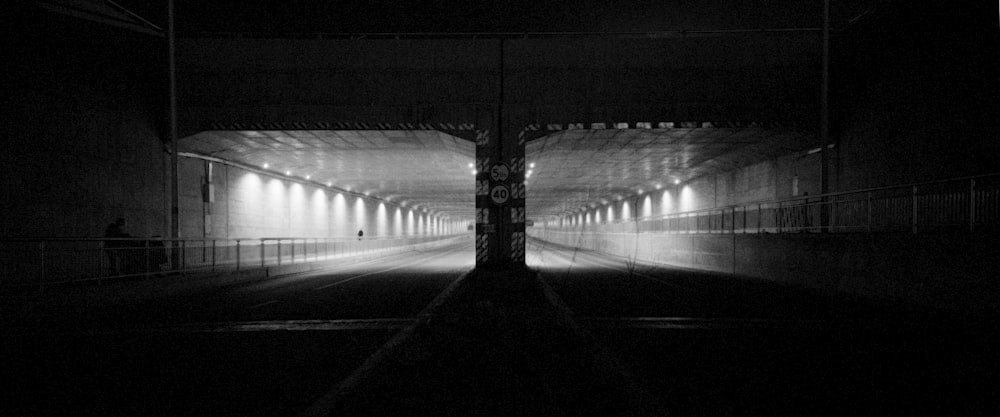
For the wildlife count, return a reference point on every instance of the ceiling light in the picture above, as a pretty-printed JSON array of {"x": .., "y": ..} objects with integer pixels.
[
  {"x": 266, "y": 165},
  {"x": 658, "y": 186},
  {"x": 471, "y": 165},
  {"x": 288, "y": 172},
  {"x": 531, "y": 165},
  {"x": 474, "y": 172},
  {"x": 308, "y": 177},
  {"x": 676, "y": 182},
  {"x": 329, "y": 184}
]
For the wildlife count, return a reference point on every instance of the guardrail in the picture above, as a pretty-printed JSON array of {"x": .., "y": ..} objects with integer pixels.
[
  {"x": 960, "y": 204},
  {"x": 45, "y": 261}
]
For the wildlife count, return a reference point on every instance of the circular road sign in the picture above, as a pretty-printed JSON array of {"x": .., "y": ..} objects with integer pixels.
[
  {"x": 499, "y": 172},
  {"x": 500, "y": 194}
]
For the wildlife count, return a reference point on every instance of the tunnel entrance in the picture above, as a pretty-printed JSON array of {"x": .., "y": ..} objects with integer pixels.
[{"x": 368, "y": 184}]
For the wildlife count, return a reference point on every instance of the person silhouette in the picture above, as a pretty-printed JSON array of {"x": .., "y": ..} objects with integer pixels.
[{"x": 361, "y": 234}]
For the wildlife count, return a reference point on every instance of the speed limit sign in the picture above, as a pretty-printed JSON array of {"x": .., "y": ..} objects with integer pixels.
[
  {"x": 499, "y": 171},
  {"x": 500, "y": 194}
]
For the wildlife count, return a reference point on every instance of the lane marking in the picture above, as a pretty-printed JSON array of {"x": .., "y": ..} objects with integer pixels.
[
  {"x": 405, "y": 265},
  {"x": 326, "y": 404},
  {"x": 584, "y": 258},
  {"x": 262, "y": 304},
  {"x": 704, "y": 323},
  {"x": 253, "y": 326}
]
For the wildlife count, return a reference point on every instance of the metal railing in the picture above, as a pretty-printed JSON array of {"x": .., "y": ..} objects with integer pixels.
[
  {"x": 42, "y": 261},
  {"x": 960, "y": 204}
]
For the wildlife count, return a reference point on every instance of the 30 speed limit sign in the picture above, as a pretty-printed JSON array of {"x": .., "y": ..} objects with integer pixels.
[{"x": 500, "y": 194}]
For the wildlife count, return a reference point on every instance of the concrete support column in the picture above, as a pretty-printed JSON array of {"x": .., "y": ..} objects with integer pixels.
[{"x": 500, "y": 165}]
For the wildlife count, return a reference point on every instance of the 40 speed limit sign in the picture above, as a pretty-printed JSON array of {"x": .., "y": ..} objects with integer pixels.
[{"x": 500, "y": 194}]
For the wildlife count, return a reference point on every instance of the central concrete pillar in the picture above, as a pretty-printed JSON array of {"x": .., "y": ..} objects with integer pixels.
[{"x": 500, "y": 166}]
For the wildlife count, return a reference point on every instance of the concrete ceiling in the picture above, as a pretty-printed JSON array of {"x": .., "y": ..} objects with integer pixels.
[
  {"x": 430, "y": 169},
  {"x": 574, "y": 168}
]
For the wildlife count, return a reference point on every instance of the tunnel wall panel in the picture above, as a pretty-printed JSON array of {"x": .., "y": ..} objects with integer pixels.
[
  {"x": 954, "y": 272},
  {"x": 253, "y": 205}
]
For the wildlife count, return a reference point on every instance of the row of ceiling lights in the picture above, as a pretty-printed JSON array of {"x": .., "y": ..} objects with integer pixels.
[
  {"x": 620, "y": 197},
  {"x": 531, "y": 166},
  {"x": 348, "y": 188}
]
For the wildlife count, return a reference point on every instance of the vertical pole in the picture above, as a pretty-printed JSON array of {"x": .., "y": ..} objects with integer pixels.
[
  {"x": 237, "y": 254},
  {"x": 824, "y": 124},
  {"x": 760, "y": 217},
  {"x": 43, "y": 267},
  {"x": 972, "y": 205},
  {"x": 262, "y": 251},
  {"x": 279, "y": 252},
  {"x": 779, "y": 218},
  {"x": 913, "y": 203},
  {"x": 175, "y": 229},
  {"x": 213, "y": 255},
  {"x": 869, "y": 203}
]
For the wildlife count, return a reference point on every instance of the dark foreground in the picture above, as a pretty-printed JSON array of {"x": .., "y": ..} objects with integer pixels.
[{"x": 594, "y": 341}]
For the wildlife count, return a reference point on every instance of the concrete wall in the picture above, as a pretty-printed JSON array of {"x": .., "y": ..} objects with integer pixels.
[
  {"x": 250, "y": 205},
  {"x": 955, "y": 272},
  {"x": 82, "y": 109},
  {"x": 784, "y": 177},
  {"x": 915, "y": 95}
]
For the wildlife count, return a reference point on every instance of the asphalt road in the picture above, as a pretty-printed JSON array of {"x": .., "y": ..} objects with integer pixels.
[
  {"x": 708, "y": 344},
  {"x": 260, "y": 349},
  {"x": 701, "y": 344}
]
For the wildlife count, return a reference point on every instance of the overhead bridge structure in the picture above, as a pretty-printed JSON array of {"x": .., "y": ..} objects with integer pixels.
[{"x": 728, "y": 209}]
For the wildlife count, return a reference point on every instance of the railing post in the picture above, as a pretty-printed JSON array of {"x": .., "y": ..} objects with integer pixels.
[
  {"x": 869, "y": 204},
  {"x": 913, "y": 220},
  {"x": 972, "y": 204},
  {"x": 732, "y": 226},
  {"x": 183, "y": 255},
  {"x": 213, "y": 255},
  {"x": 293, "y": 251},
  {"x": 760, "y": 217},
  {"x": 149, "y": 266},
  {"x": 42, "y": 266},
  {"x": 279, "y": 252},
  {"x": 237, "y": 254},
  {"x": 262, "y": 252},
  {"x": 101, "y": 253},
  {"x": 779, "y": 217}
]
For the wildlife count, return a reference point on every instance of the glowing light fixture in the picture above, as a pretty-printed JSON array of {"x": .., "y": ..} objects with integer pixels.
[
  {"x": 471, "y": 165},
  {"x": 677, "y": 182},
  {"x": 308, "y": 177},
  {"x": 288, "y": 172},
  {"x": 474, "y": 172},
  {"x": 266, "y": 165},
  {"x": 531, "y": 165},
  {"x": 329, "y": 184}
]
